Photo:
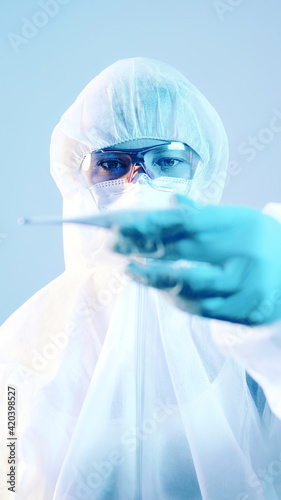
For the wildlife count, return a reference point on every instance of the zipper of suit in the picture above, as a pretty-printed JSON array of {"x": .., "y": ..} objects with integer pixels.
[{"x": 139, "y": 387}]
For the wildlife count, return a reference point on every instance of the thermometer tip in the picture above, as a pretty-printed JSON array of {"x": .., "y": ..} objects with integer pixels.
[{"x": 21, "y": 221}]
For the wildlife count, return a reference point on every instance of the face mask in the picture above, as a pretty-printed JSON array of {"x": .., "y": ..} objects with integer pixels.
[{"x": 143, "y": 193}]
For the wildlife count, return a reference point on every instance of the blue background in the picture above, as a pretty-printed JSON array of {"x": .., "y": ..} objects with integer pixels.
[{"x": 230, "y": 50}]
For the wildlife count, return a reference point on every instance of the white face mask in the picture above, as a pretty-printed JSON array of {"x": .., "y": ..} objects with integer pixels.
[{"x": 143, "y": 193}]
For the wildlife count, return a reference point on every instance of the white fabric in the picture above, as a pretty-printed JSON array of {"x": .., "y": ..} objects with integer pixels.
[
  {"x": 107, "y": 194},
  {"x": 121, "y": 395}
]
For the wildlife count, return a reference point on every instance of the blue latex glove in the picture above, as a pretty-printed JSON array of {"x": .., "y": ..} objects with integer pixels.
[{"x": 241, "y": 281}]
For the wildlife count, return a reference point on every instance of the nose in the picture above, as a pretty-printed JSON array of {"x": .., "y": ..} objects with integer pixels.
[{"x": 137, "y": 169}]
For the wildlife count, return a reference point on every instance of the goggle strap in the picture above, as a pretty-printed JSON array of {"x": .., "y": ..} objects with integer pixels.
[{"x": 131, "y": 173}]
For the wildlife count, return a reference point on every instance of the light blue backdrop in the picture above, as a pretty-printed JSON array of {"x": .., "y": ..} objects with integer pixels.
[{"x": 50, "y": 49}]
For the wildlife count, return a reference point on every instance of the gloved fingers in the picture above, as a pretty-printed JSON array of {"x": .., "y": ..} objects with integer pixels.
[
  {"x": 179, "y": 220},
  {"x": 246, "y": 306},
  {"x": 164, "y": 225},
  {"x": 235, "y": 309},
  {"x": 139, "y": 246},
  {"x": 143, "y": 247},
  {"x": 184, "y": 218},
  {"x": 139, "y": 238},
  {"x": 209, "y": 250},
  {"x": 186, "y": 282},
  {"x": 213, "y": 217},
  {"x": 211, "y": 292},
  {"x": 158, "y": 276},
  {"x": 212, "y": 234}
]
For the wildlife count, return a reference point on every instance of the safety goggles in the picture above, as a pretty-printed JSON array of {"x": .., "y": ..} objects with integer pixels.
[{"x": 170, "y": 159}]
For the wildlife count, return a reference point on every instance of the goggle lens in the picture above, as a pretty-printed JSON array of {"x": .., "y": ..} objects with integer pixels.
[{"x": 174, "y": 159}]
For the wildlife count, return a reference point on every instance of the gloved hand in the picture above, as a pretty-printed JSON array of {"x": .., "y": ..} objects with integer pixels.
[{"x": 237, "y": 250}]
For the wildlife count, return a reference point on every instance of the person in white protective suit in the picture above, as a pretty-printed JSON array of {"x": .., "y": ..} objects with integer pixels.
[{"x": 121, "y": 395}]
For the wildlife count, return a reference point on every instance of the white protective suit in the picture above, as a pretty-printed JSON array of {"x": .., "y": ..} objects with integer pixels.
[{"x": 122, "y": 396}]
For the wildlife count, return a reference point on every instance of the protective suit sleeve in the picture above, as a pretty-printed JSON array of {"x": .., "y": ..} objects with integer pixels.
[{"x": 258, "y": 349}]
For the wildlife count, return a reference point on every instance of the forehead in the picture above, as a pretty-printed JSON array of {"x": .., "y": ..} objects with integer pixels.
[{"x": 137, "y": 144}]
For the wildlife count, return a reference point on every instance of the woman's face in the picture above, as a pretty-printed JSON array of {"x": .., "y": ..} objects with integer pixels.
[
  {"x": 101, "y": 175},
  {"x": 175, "y": 160}
]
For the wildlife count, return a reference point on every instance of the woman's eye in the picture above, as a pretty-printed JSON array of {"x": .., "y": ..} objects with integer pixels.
[
  {"x": 168, "y": 162},
  {"x": 111, "y": 164}
]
